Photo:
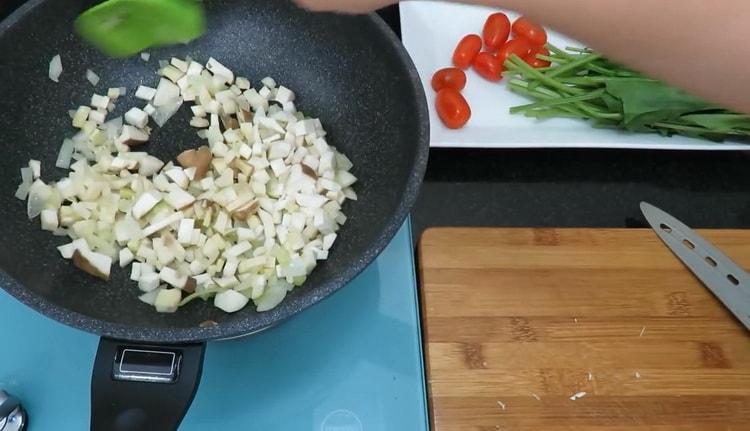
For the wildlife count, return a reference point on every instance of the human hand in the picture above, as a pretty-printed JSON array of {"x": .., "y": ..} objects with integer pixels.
[{"x": 346, "y": 6}]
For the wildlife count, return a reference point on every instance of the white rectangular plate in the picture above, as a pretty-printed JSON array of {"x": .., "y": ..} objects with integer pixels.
[{"x": 430, "y": 32}]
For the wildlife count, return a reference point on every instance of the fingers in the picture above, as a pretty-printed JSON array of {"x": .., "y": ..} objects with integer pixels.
[{"x": 345, "y": 6}]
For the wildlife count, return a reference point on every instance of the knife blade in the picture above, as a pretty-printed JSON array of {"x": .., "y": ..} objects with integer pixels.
[{"x": 724, "y": 278}]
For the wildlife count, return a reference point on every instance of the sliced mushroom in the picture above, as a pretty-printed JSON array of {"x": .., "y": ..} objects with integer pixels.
[
  {"x": 132, "y": 136},
  {"x": 229, "y": 122},
  {"x": 244, "y": 116},
  {"x": 96, "y": 264},
  {"x": 199, "y": 159},
  {"x": 245, "y": 211},
  {"x": 310, "y": 172},
  {"x": 242, "y": 166},
  {"x": 208, "y": 324},
  {"x": 190, "y": 285}
]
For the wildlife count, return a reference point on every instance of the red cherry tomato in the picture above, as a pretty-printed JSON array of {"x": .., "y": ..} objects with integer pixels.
[
  {"x": 450, "y": 77},
  {"x": 496, "y": 30},
  {"x": 537, "y": 62},
  {"x": 466, "y": 50},
  {"x": 520, "y": 47},
  {"x": 488, "y": 66},
  {"x": 529, "y": 30},
  {"x": 452, "y": 108}
]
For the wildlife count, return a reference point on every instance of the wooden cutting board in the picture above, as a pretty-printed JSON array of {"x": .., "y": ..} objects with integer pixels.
[{"x": 516, "y": 321}]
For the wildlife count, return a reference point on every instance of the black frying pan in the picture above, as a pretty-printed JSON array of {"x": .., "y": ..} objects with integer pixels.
[{"x": 351, "y": 71}]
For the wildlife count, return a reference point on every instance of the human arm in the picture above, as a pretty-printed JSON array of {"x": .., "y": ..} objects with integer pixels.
[{"x": 700, "y": 46}]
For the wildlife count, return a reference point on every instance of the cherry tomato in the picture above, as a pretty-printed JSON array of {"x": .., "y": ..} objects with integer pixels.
[
  {"x": 466, "y": 50},
  {"x": 496, "y": 30},
  {"x": 529, "y": 30},
  {"x": 537, "y": 62},
  {"x": 452, "y": 108},
  {"x": 488, "y": 66},
  {"x": 450, "y": 77},
  {"x": 520, "y": 47}
]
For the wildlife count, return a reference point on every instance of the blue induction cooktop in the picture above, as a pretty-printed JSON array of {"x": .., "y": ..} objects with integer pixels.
[{"x": 350, "y": 363}]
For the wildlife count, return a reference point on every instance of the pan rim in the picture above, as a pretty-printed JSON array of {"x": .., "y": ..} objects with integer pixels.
[{"x": 242, "y": 327}]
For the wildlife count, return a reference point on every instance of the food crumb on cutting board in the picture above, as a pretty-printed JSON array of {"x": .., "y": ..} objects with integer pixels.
[{"x": 577, "y": 395}]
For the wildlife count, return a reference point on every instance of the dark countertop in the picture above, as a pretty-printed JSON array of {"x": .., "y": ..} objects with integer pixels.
[
  {"x": 575, "y": 188},
  {"x": 582, "y": 188}
]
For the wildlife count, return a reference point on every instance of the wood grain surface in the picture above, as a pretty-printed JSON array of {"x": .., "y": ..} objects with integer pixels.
[{"x": 516, "y": 321}]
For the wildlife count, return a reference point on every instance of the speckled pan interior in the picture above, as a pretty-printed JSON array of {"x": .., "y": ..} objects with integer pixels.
[{"x": 350, "y": 71}]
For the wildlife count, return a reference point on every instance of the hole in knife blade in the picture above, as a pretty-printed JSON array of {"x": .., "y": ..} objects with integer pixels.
[
  {"x": 688, "y": 244},
  {"x": 665, "y": 228},
  {"x": 732, "y": 279},
  {"x": 711, "y": 262}
]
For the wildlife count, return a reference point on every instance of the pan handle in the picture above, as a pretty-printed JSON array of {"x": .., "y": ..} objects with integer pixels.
[{"x": 138, "y": 387}]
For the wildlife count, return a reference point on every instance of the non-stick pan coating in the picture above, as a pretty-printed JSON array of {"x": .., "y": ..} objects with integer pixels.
[{"x": 350, "y": 71}]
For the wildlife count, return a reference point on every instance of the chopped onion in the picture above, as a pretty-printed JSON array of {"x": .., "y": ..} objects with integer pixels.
[
  {"x": 272, "y": 296},
  {"x": 97, "y": 117},
  {"x": 165, "y": 112},
  {"x": 126, "y": 257},
  {"x": 92, "y": 77},
  {"x": 145, "y": 56},
  {"x": 230, "y": 301},
  {"x": 36, "y": 168},
  {"x": 179, "y": 198},
  {"x": 136, "y": 117},
  {"x": 166, "y": 93},
  {"x": 99, "y": 101},
  {"x": 39, "y": 193},
  {"x": 242, "y": 83},
  {"x": 172, "y": 73},
  {"x": 23, "y": 191},
  {"x": 149, "y": 166},
  {"x": 172, "y": 277},
  {"x": 55, "y": 68},
  {"x": 161, "y": 224},
  {"x": 148, "y": 281},
  {"x": 67, "y": 250},
  {"x": 150, "y": 297},
  {"x": 167, "y": 300},
  {"x": 268, "y": 82},
  {"x": 145, "y": 93},
  {"x": 49, "y": 220},
  {"x": 178, "y": 176},
  {"x": 185, "y": 231},
  {"x": 81, "y": 115},
  {"x": 145, "y": 203},
  {"x": 219, "y": 70},
  {"x": 284, "y": 95},
  {"x": 27, "y": 175}
]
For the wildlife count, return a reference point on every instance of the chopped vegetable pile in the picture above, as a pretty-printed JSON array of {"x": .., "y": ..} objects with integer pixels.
[
  {"x": 582, "y": 84},
  {"x": 243, "y": 218}
]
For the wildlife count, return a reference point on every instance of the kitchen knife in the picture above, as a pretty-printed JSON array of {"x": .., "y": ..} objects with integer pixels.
[{"x": 724, "y": 278}]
